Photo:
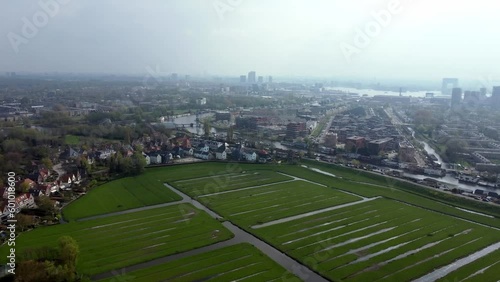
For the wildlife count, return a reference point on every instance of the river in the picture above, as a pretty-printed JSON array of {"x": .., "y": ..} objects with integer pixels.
[{"x": 371, "y": 92}]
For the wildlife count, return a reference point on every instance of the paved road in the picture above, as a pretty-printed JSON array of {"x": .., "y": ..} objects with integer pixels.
[{"x": 58, "y": 169}]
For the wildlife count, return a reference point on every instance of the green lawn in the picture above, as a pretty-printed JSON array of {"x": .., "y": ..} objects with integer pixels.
[
  {"x": 242, "y": 262},
  {"x": 268, "y": 203},
  {"x": 71, "y": 140},
  {"x": 380, "y": 239},
  {"x": 118, "y": 241}
]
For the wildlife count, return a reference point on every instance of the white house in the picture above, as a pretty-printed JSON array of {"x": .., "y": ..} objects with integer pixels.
[
  {"x": 105, "y": 154},
  {"x": 250, "y": 156},
  {"x": 203, "y": 148},
  {"x": 189, "y": 151},
  {"x": 202, "y": 155},
  {"x": 154, "y": 158},
  {"x": 221, "y": 154}
]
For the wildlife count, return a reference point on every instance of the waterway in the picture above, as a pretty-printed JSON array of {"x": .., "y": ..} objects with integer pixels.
[
  {"x": 371, "y": 92},
  {"x": 186, "y": 121},
  {"x": 445, "y": 270},
  {"x": 448, "y": 179}
]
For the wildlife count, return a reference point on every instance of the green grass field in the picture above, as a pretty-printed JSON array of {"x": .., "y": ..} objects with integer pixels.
[
  {"x": 242, "y": 262},
  {"x": 144, "y": 190},
  {"x": 71, "y": 140},
  {"x": 359, "y": 182},
  {"x": 381, "y": 239},
  {"x": 118, "y": 241},
  {"x": 118, "y": 195},
  {"x": 208, "y": 185},
  {"x": 264, "y": 204},
  {"x": 375, "y": 240}
]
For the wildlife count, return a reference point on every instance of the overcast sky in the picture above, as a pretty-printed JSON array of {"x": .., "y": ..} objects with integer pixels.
[{"x": 423, "y": 39}]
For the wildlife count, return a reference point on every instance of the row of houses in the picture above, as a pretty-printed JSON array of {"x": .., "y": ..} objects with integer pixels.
[
  {"x": 35, "y": 188},
  {"x": 23, "y": 201}
]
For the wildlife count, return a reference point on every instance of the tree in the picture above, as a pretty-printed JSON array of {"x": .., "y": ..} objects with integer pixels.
[
  {"x": 138, "y": 163},
  {"x": 45, "y": 204},
  {"x": 207, "y": 127},
  {"x": 32, "y": 270},
  {"x": 84, "y": 163},
  {"x": 24, "y": 187},
  {"x": 24, "y": 221},
  {"x": 48, "y": 263},
  {"x": 13, "y": 145},
  {"x": 68, "y": 251},
  {"x": 47, "y": 162},
  {"x": 230, "y": 133}
]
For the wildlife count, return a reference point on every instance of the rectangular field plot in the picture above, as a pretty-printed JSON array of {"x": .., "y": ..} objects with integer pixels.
[
  {"x": 121, "y": 194},
  {"x": 378, "y": 240},
  {"x": 219, "y": 183},
  {"x": 242, "y": 262},
  {"x": 118, "y": 241},
  {"x": 255, "y": 206}
]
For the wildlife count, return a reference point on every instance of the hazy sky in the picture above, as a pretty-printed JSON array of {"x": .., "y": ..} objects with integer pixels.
[{"x": 424, "y": 39}]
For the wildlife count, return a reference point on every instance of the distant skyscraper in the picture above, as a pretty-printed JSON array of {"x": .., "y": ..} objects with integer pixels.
[
  {"x": 261, "y": 79},
  {"x": 187, "y": 77},
  {"x": 495, "y": 97},
  {"x": 270, "y": 79},
  {"x": 483, "y": 91},
  {"x": 446, "y": 89},
  {"x": 174, "y": 76},
  {"x": 243, "y": 78},
  {"x": 252, "y": 77},
  {"x": 456, "y": 98}
]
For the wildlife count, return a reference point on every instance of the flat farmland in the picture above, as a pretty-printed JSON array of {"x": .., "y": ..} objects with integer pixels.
[
  {"x": 378, "y": 240},
  {"x": 122, "y": 240},
  {"x": 242, "y": 262},
  {"x": 263, "y": 204},
  {"x": 118, "y": 195},
  {"x": 144, "y": 190},
  {"x": 219, "y": 183}
]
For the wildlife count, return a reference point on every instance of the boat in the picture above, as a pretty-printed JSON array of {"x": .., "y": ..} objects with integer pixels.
[{"x": 468, "y": 179}]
